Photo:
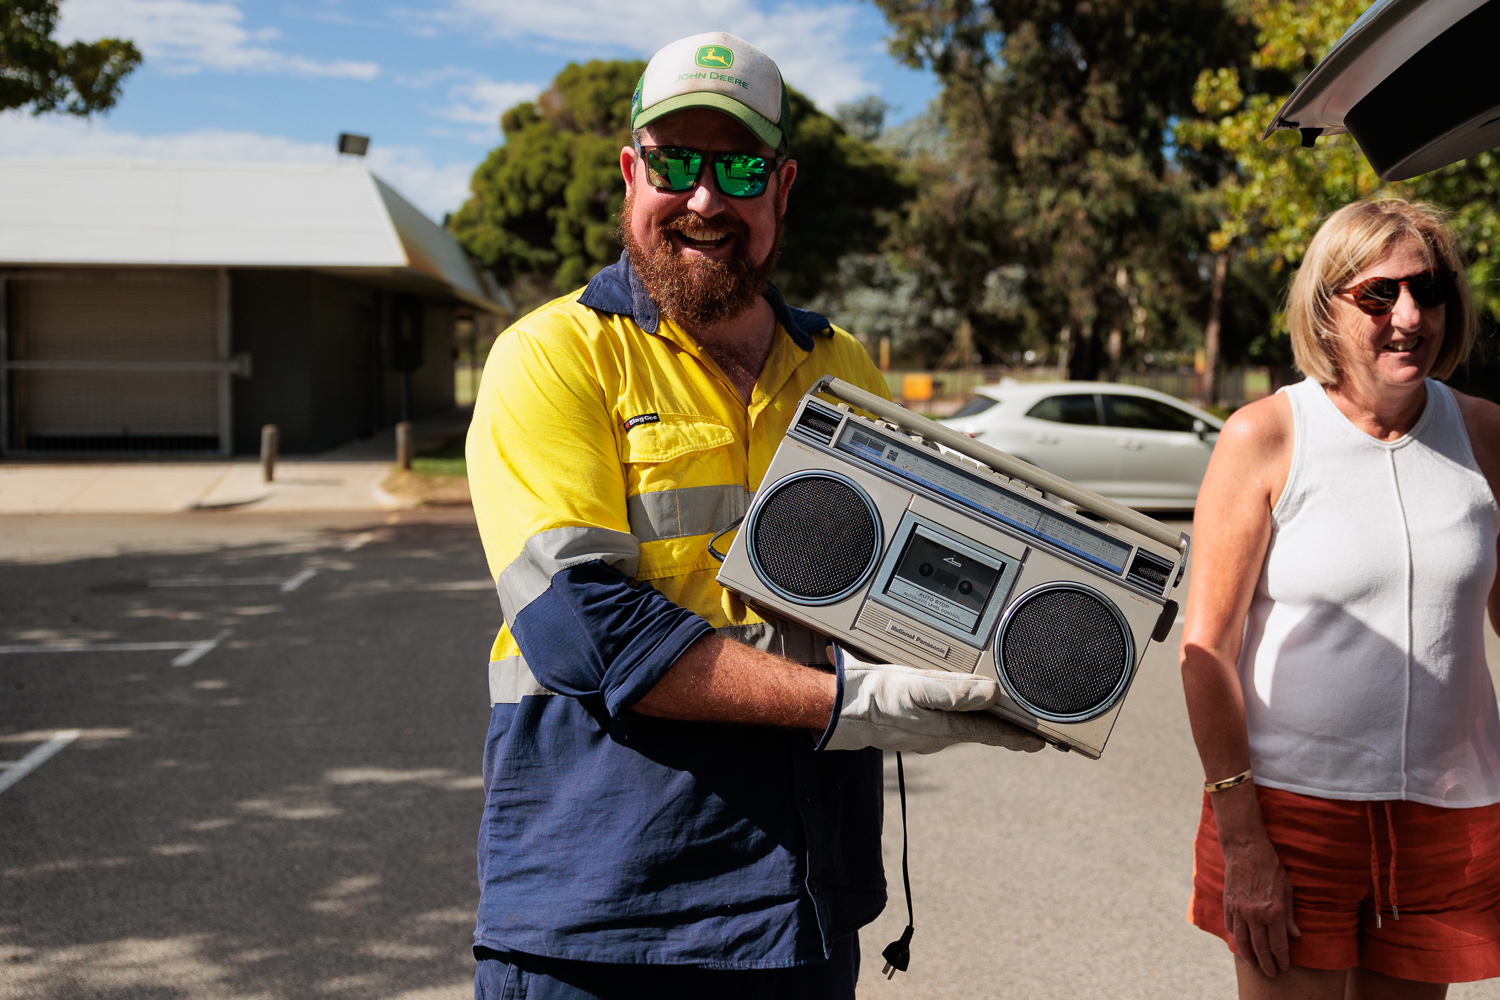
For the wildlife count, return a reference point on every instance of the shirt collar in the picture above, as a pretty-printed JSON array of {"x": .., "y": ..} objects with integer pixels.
[{"x": 618, "y": 290}]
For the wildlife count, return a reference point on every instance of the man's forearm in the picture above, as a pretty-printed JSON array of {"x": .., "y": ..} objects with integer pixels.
[{"x": 718, "y": 680}]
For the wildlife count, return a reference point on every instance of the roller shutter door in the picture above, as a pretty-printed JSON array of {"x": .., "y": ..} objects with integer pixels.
[{"x": 121, "y": 362}]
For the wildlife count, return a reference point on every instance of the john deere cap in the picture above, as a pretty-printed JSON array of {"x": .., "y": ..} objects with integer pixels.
[{"x": 719, "y": 71}]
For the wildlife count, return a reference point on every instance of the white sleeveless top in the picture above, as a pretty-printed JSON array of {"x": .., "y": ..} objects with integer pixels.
[{"x": 1363, "y": 663}]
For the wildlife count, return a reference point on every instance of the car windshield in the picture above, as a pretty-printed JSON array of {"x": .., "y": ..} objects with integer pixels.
[
  {"x": 1145, "y": 414},
  {"x": 974, "y": 406},
  {"x": 1076, "y": 408}
]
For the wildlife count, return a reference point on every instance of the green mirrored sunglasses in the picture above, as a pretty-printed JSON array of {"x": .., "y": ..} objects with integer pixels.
[{"x": 675, "y": 168}]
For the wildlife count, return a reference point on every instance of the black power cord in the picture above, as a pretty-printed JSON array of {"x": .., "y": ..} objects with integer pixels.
[{"x": 897, "y": 954}]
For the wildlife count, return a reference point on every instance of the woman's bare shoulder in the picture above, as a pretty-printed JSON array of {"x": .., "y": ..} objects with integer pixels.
[
  {"x": 1262, "y": 426},
  {"x": 1480, "y": 414},
  {"x": 1252, "y": 459},
  {"x": 1482, "y": 421}
]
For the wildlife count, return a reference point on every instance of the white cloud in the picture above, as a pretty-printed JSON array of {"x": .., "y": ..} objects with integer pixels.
[
  {"x": 480, "y": 100},
  {"x": 432, "y": 187},
  {"x": 185, "y": 36},
  {"x": 808, "y": 43}
]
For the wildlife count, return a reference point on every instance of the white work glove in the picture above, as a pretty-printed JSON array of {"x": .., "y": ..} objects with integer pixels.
[{"x": 921, "y": 711}]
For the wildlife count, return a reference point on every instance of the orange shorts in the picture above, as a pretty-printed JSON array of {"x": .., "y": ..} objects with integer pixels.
[{"x": 1443, "y": 882}]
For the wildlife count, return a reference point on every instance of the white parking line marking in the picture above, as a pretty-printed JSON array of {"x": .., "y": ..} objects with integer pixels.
[
  {"x": 192, "y": 651},
  {"x": 199, "y": 650},
  {"x": 292, "y": 583},
  {"x": 14, "y": 770},
  {"x": 359, "y": 541},
  {"x": 287, "y": 585}
]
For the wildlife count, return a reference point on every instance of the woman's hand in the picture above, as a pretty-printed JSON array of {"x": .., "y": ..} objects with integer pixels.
[{"x": 1258, "y": 904}]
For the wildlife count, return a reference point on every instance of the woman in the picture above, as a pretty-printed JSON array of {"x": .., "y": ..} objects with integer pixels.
[{"x": 1333, "y": 657}]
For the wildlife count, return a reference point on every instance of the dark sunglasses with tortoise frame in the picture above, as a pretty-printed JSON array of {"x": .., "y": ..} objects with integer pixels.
[{"x": 1377, "y": 296}]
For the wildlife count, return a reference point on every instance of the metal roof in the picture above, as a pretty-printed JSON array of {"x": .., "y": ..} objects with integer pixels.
[{"x": 337, "y": 217}]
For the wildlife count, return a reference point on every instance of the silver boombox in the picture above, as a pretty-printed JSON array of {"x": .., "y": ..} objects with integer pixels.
[{"x": 867, "y": 531}]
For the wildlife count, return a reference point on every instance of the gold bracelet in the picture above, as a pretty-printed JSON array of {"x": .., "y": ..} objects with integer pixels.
[{"x": 1219, "y": 786}]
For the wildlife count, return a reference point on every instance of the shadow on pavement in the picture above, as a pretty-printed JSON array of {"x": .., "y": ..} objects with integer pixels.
[{"x": 291, "y": 815}]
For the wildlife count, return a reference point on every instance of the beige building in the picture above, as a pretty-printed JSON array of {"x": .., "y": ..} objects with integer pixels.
[{"x": 160, "y": 308}]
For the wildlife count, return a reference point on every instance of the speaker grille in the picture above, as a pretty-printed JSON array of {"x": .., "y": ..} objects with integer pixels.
[
  {"x": 1064, "y": 652},
  {"x": 814, "y": 538}
]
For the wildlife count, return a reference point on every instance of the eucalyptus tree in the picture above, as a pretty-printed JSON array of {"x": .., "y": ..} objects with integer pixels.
[
  {"x": 1060, "y": 163},
  {"x": 40, "y": 74}
]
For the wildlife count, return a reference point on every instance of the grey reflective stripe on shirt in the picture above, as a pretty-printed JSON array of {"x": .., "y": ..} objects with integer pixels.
[
  {"x": 511, "y": 680},
  {"x": 549, "y": 552},
  {"x": 682, "y": 513}
]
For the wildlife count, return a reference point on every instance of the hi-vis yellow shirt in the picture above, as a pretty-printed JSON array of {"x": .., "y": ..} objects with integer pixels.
[{"x": 607, "y": 448}]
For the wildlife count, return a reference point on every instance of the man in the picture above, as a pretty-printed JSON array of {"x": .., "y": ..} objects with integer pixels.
[{"x": 680, "y": 796}]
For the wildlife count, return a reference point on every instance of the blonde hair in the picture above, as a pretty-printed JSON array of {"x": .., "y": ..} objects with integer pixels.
[{"x": 1351, "y": 240}]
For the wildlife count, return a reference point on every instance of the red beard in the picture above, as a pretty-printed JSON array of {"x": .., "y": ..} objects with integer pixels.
[{"x": 699, "y": 291}]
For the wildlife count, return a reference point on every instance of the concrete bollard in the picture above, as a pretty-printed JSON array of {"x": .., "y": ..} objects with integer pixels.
[
  {"x": 268, "y": 448},
  {"x": 403, "y": 445}
]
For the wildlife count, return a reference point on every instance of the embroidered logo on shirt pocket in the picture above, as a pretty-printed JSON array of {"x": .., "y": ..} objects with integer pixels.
[{"x": 673, "y": 435}]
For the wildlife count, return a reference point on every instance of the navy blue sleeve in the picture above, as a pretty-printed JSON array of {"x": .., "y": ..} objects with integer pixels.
[
  {"x": 838, "y": 697},
  {"x": 593, "y": 635}
]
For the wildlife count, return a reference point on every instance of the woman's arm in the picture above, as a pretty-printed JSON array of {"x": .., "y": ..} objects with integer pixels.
[
  {"x": 1482, "y": 421},
  {"x": 1231, "y": 532}
]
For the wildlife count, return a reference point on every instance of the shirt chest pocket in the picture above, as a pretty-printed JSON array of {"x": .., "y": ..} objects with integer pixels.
[{"x": 683, "y": 476}]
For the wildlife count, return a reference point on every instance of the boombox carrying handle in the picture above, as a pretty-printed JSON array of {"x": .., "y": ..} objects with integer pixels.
[{"x": 1000, "y": 461}]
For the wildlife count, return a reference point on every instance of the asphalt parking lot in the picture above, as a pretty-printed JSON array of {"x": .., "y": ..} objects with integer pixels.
[
  {"x": 291, "y": 813},
  {"x": 273, "y": 789}
]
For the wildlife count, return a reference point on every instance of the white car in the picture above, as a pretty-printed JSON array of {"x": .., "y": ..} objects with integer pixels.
[{"x": 1140, "y": 447}]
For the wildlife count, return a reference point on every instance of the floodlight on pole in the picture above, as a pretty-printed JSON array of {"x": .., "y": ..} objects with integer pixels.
[{"x": 354, "y": 145}]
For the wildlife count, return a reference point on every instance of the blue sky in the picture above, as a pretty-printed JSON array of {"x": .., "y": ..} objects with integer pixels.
[{"x": 427, "y": 79}]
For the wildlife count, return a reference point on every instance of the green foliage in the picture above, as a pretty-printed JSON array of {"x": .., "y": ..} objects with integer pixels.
[
  {"x": 865, "y": 118},
  {"x": 1274, "y": 195},
  {"x": 43, "y": 75},
  {"x": 841, "y": 202},
  {"x": 544, "y": 205},
  {"x": 1057, "y": 115}
]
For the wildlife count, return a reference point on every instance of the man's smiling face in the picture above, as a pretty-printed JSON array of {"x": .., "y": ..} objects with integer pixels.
[{"x": 703, "y": 256}]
